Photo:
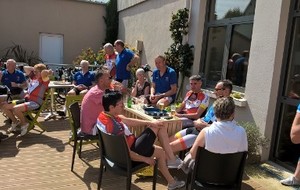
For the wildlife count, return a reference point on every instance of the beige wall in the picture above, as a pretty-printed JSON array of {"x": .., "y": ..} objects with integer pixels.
[
  {"x": 265, "y": 62},
  {"x": 80, "y": 23},
  {"x": 149, "y": 22}
]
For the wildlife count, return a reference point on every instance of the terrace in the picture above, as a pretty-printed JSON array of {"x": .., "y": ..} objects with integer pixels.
[{"x": 42, "y": 161}]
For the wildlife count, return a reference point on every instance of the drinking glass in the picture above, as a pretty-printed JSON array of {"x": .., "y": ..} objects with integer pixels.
[
  {"x": 161, "y": 107},
  {"x": 173, "y": 110}
]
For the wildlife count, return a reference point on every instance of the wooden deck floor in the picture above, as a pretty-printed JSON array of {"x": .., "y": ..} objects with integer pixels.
[{"x": 42, "y": 161}]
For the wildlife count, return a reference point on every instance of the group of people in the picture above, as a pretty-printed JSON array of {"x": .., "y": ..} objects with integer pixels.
[
  {"x": 31, "y": 99},
  {"x": 102, "y": 109}
]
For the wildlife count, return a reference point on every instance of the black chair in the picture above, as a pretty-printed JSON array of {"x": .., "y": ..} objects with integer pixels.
[
  {"x": 217, "y": 171},
  {"x": 75, "y": 125},
  {"x": 115, "y": 157}
]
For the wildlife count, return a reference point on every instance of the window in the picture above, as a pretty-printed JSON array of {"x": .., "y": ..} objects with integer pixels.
[{"x": 228, "y": 34}]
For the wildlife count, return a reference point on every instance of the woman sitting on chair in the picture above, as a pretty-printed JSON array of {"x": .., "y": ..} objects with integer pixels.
[
  {"x": 142, "y": 87},
  {"x": 223, "y": 136},
  {"x": 38, "y": 85}
]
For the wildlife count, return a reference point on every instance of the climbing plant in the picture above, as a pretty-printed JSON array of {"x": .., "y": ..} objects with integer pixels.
[
  {"x": 112, "y": 21},
  {"x": 180, "y": 54}
]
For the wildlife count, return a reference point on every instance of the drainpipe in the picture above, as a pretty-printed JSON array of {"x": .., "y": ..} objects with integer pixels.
[{"x": 188, "y": 5}]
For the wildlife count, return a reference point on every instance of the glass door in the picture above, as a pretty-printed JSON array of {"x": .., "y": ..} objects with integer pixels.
[{"x": 284, "y": 151}]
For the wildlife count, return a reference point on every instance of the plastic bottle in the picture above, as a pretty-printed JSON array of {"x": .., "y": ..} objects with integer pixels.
[{"x": 129, "y": 102}]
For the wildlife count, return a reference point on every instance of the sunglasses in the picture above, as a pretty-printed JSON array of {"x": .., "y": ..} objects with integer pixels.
[{"x": 217, "y": 89}]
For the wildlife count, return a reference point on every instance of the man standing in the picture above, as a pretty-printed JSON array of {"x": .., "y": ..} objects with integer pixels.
[
  {"x": 164, "y": 83},
  {"x": 124, "y": 61},
  {"x": 185, "y": 138},
  {"x": 194, "y": 103},
  {"x": 13, "y": 79},
  {"x": 110, "y": 59},
  {"x": 92, "y": 102}
]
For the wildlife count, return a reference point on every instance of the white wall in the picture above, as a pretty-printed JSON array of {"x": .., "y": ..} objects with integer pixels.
[
  {"x": 149, "y": 22},
  {"x": 265, "y": 62}
]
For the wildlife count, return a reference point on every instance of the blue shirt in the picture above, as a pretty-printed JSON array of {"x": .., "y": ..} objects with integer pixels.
[
  {"x": 122, "y": 61},
  {"x": 163, "y": 83},
  {"x": 17, "y": 77},
  {"x": 85, "y": 79},
  {"x": 210, "y": 115},
  {"x": 298, "y": 109}
]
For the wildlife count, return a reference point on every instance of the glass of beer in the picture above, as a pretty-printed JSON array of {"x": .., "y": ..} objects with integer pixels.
[
  {"x": 173, "y": 110},
  {"x": 161, "y": 107}
]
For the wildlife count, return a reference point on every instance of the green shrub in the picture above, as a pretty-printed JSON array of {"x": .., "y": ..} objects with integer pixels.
[
  {"x": 92, "y": 57},
  {"x": 256, "y": 140}
]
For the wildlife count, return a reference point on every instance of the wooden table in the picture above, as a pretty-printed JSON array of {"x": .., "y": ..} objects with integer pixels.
[{"x": 174, "y": 125}]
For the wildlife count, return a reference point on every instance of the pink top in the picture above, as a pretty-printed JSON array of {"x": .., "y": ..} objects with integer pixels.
[{"x": 90, "y": 109}]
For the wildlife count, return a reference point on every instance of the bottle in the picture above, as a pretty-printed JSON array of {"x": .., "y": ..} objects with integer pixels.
[
  {"x": 129, "y": 102},
  {"x": 63, "y": 78}
]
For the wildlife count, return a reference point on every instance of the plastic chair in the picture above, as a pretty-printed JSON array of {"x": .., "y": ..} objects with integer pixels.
[
  {"x": 33, "y": 115},
  {"x": 217, "y": 171},
  {"x": 69, "y": 101},
  {"x": 115, "y": 157},
  {"x": 75, "y": 115}
]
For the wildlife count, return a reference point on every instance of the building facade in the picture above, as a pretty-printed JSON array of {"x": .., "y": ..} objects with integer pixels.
[
  {"x": 254, "y": 43},
  {"x": 56, "y": 30}
]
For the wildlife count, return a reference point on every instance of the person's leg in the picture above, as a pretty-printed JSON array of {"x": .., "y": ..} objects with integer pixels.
[
  {"x": 160, "y": 155},
  {"x": 83, "y": 92},
  {"x": 183, "y": 143},
  {"x": 293, "y": 180},
  {"x": 7, "y": 109},
  {"x": 18, "y": 111},
  {"x": 73, "y": 92},
  {"x": 164, "y": 140}
]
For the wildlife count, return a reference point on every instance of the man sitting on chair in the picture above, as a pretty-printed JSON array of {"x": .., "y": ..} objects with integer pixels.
[
  {"x": 33, "y": 98},
  {"x": 185, "y": 138},
  {"x": 83, "y": 80},
  {"x": 13, "y": 79},
  {"x": 141, "y": 148},
  {"x": 223, "y": 136},
  {"x": 194, "y": 103}
]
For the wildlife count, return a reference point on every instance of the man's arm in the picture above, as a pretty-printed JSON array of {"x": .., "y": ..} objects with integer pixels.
[
  {"x": 295, "y": 131},
  {"x": 133, "y": 61},
  {"x": 200, "y": 141},
  {"x": 138, "y": 122},
  {"x": 45, "y": 75},
  {"x": 192, "y": 115},
  {"x": 171, "y": 92},
  {"x": 28, "y": 69}
]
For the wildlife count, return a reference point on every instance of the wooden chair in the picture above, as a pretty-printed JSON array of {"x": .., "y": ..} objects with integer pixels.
[
  {"x": 75, "y": 125},
  {"x": 33, "y": 115},
  {"x": 115, "y": 157},
  {"x": 217, "y": 171}
]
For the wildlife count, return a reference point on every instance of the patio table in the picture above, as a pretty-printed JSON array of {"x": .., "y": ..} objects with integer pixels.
[
  {"x": 55, "y": 85},
  {"x": 173, "y": 125}
]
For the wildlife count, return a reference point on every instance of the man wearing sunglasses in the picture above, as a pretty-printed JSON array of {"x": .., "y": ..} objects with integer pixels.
[{"x": 185, "y": 138}]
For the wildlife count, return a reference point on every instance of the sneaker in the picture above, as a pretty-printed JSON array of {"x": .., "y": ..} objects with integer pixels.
[
  {"x": 145, "y": 172},
  {"x": 174, "y": 163},
  {"x": 291, "y": 181},
  {"x": 177, "y": 184},
  {"x": 13, "y": 127},
  {"x": 24, "y": 129}
]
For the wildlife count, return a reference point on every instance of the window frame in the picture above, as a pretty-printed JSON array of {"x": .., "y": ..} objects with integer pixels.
[{"x": 228, "y": 23}]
